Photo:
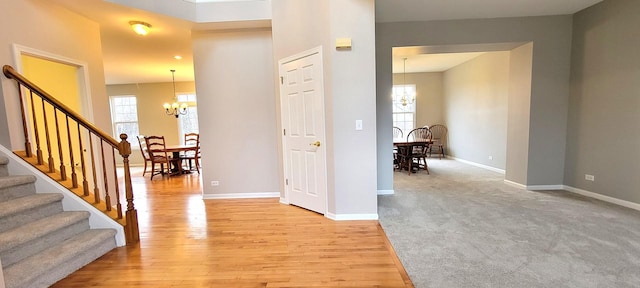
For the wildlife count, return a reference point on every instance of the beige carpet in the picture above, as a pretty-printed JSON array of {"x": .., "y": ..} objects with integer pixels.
[{"x": 462, "y": 226}]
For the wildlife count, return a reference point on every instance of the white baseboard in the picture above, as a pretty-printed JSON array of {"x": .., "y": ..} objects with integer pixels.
[
  {"x": 545, "y": 187},
  {"x": 386, "y": 192},
  {"x": 242, "y": 195},
  {"x": 625, "y": 203},
  {"x": 494, "y": 169},
  {"x": 345, "y": 217},
  {"x": 515, "y": 184}
]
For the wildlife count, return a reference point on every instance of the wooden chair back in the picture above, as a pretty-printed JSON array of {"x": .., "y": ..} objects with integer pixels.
[
  {"x": 156, "y": 148},
  {"x": 143, "y": 147},
  {"x": 419, "y": 134},
  {"x": 397, "y": 132},
  {"x": 193, "y": 139},
  {"x": 439, "y": 134}
]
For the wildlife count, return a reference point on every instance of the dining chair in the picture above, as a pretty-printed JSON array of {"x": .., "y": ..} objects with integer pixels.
[
  {"x": 144, "y": 152},
  {"x": 158, "y": 155},
  {"x": 439, "y": 137},
  {"x": 397, "y": 132},
  {"x": 421, "y": 138},
  {"x": 192, "y": 139}
]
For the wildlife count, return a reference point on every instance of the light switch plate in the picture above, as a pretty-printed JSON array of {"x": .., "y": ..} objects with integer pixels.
[{"x": 358, "y": 124}]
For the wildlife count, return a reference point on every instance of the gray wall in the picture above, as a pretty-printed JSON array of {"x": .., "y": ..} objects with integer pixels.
[
  {"x": 475, "y": 106},
  {"x": 549, "y": 92},
  {"x": 236, "y": 112},
  {"x": 349, "y": 89},
  {"x": 519, "y": 104},
  {"x": 603, "y": 137},
  {"x": 429, "y": 96}
]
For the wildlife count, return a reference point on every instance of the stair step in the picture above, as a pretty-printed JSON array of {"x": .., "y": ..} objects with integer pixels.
[
  {"x": 12, "y": 187},
  {"x": 19, "y": 211},
  {"x": 4, "y": 170},
  {"x": 51, "y": 265},
  {"x": 29, "y": 239}
]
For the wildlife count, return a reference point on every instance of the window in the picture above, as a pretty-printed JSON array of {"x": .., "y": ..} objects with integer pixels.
[
  {"x": 124, "y": 116},
  {"x": 404, "y": 114},
  {"x": 188, "y": 122}
]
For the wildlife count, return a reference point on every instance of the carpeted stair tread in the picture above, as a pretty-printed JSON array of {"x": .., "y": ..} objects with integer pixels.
[
  {"x": 4, "y": 170},
  {"x": 51, "y": 265},
  {"x": 15, "y": 180},
  {"x": 28, "y": 202},
  {"x": 23, "y": 210},
  {"x": 31, "y": 238},
  {"x": 12, "y": 187}
]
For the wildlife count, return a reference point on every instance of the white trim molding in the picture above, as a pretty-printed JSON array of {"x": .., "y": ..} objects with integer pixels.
[
  {"x": 386, "y": 192},
  {"x": 545, "y": 187},
  {"x": 494, "y": 169},
  {"x": 346, "y": 217},
  {"x": 242, "y": 195},
  {"x": 515, "y": 184},
  {"x": 625, "y": 203}
]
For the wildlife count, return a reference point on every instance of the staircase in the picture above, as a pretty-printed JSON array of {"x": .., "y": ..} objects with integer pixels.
[{"x": 39, "y": 242}]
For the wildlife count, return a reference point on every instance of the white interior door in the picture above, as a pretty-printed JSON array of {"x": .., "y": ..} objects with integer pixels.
[{"x": 302, "y": 102}]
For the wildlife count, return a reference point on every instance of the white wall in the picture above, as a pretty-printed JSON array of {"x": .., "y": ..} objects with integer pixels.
[
  {"x": 47, "y": 27},
  {"x": 475, "y": 107},
  {"x": 237, "y": 113}
]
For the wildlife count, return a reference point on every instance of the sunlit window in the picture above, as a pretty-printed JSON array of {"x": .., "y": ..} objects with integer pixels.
[
  {"x": 124, "y": 116},
  {"x": 404, "y": 107},
  {"x": 188, "y": 122}
]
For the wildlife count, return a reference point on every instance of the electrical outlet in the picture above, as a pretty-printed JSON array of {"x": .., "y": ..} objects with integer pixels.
[
  {"x": 589, "y": 177},
  {"x": 215, "y": 183},
  {"x": 490, "y": 157}
]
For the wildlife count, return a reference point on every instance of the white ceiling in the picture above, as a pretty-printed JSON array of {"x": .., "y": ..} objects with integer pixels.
[
  {"x": 431, "y": 62},
  {"x": 130, "y": 58}
]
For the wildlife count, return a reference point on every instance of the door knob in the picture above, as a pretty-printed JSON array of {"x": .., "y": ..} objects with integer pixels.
[{"x": 317, "y": 144}]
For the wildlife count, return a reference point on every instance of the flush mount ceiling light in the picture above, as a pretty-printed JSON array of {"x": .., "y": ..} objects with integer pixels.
[{"x": 142, "y": 28}]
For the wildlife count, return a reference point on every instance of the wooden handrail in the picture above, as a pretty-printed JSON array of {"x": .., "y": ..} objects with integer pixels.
[
  {"x": 130, "y": 220},
  {"x": 11, "y": 73}
]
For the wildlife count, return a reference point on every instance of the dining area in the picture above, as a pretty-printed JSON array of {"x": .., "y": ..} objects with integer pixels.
[
  {"x": 170, "y": 160},
  {"x": 410, "y": 153}
]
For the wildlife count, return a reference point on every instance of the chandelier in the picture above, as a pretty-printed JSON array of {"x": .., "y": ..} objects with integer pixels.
[
  {"x": 176, "y": 108},
  {"x": 406, "y": 98}
]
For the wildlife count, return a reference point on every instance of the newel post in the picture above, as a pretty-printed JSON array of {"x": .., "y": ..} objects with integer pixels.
[{"x": 131, "y": 230}]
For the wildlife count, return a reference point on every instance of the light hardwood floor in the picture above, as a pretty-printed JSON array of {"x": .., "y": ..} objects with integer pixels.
[{"x": 190, "y": 242}]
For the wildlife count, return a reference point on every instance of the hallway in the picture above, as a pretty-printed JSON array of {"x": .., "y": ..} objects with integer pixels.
[{"x": 187, "y": 242}]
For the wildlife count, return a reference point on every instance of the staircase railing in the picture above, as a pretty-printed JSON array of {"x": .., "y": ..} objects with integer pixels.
[{"x": 59, "y": 134}]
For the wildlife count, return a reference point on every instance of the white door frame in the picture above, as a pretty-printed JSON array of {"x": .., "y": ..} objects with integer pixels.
[
  {"x": 285, "y": 167},
  {"x": 84, "y": 90}
]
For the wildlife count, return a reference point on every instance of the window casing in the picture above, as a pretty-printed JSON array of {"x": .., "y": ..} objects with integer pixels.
[
  {"x": 124, "y": 116},
  {"x": 188, "y": 123},
  {"x": 404, "y": 116}
]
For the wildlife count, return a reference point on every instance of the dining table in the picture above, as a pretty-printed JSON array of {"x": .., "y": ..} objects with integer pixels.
[
  {"x": 176, "y": 150},
  {"x": 405, "y": 152}
]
